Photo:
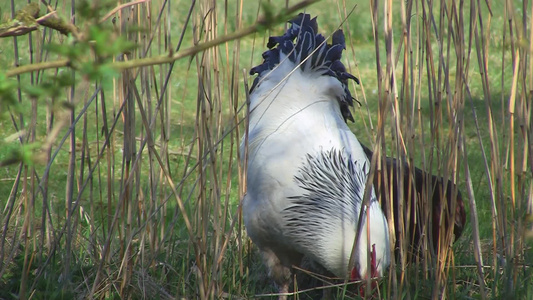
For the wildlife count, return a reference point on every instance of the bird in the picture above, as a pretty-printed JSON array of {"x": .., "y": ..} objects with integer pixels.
[
  {"x": 306, "y": 171},
  {"x": 414, "y": 198}
]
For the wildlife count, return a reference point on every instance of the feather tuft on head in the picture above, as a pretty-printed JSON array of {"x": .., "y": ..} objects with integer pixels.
[{"x": 311, "y": 53}]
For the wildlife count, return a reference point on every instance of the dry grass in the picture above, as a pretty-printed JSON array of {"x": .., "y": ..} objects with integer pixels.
[{"x": 131, "y": 183}]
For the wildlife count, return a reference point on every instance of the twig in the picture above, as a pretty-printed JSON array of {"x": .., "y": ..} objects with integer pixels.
[
  {"x": 164, "y": 59},
  {"x": 114, "y": 10},
  {"x": 27, "y": 20}
]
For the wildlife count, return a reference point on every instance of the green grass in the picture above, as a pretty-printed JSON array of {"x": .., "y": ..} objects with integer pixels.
[{"x": 150, "y": 251}]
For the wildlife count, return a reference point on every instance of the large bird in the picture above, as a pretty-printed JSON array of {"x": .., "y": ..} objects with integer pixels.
[
  {"x": 306, "y": 171},
  {"x": 447, "y": 207}
]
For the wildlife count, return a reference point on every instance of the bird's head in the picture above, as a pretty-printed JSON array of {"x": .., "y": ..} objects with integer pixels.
[
  {"x": 372, "y": 261},
  {"x": 374, "y": 273}
]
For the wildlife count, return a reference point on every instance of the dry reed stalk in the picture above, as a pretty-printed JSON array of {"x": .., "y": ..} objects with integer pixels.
[
  {"x": 140, "y": 211},
  {"x": 438, "y": 77}
]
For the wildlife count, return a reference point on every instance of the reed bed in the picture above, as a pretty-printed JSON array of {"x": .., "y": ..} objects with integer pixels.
[{"x": 120, "y": 152}]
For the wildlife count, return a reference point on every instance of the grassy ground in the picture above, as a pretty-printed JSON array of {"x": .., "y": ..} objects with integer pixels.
[{"x": 138, "y": 198}]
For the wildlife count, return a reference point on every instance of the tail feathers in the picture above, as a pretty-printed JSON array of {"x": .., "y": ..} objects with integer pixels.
[{"x": 312, "y": 53}]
